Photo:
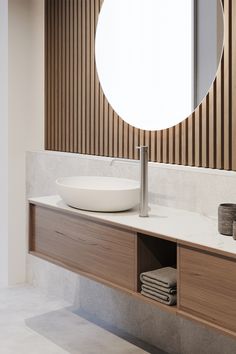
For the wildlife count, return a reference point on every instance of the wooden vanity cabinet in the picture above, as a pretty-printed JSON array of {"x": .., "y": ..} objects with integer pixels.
[
  {"x": 98, "y": 250},
  {"x": 116, "y": 255},
  {"x": 207, "y": 287},
  {"x": 104, "y": 252}
]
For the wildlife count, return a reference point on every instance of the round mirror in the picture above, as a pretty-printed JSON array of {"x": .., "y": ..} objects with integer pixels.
[{"x": 156, "y": 60}]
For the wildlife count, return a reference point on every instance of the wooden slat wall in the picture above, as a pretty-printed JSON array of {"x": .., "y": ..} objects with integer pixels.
[{"x": 80, "y": 120}]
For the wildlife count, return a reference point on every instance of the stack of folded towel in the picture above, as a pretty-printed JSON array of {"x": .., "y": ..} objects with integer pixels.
[{"x": 160, "y": 285}]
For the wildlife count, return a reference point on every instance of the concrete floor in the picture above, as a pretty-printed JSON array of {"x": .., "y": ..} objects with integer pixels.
[{"x": 33, "y": 323}]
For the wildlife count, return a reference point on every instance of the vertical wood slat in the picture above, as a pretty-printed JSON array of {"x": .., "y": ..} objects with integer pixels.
[
  {"x": 83, "y": 75},
  {"x": 75, "y": 72},
  {"x": 96, "y": 93},
  {"x": 159, "y": 146},
  {"x": 178, "y": 144},
  {"x": 46, "y": 75},
  {"x": 191, "y": 140},
  {"x": 97, "y": 89},
  {"x": 171, "y": 147},
  {"x": 131, "y": 142},
  {"x": 219, "y": 122},
  {"x": 205, "y": 133},
  {"x": 101, "y": 112},
  {"x": 227, "y": 91},
  {"x": 136, "y": 143},
  {"x": 212, "y": 127},
  {"x": 71, "y": 71},
  {"x": 90, "y": 82},
  {"x": 106, "y": 126},
  {"x": 121, "y": 138},
  {"x": 79, "y": 79},
  {"x": 126, "y": 140},
  {"x": 52, "y": 57},
  {"x": 67, "y": 70},
  {"x": 116, "y": 135},
  {"x": 233, "y": 84},
  {"x": 59, "y": 74},
  {"x": 79, "y": 118},
  {"x": 63, "y": 68},
  {"x": 153, "y": 144},
  {"x": 56, "y": 78},
  {"x": 87, "y": 75},
  {"x": 198, "y": 136},
  {"x": 92, "y": 79},
  {"x": 101, "y": 130},
  {"x": 184, "y": 145},
  {"x": 165, "y": 146},
  {"x": 50, "y": 66},
  {"x": 110, "y": 132}
]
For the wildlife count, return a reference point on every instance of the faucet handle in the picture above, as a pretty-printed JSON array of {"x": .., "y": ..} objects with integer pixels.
[
  {"x": 144, "y": 150},
  {"x": 142, "y": 147}
]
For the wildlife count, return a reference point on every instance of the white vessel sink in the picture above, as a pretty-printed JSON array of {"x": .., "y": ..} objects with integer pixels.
[{"x": 106, "y": 194}]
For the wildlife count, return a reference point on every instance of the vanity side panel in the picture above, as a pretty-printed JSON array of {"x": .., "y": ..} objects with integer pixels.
[
  {"x": 84, "y": 245},
  {"x": 31, "y": 228},
  {"x": 207, "y": 287}
]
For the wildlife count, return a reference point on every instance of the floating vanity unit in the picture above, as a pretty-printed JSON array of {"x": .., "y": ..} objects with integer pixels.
[{"x": 115, "y": 248}]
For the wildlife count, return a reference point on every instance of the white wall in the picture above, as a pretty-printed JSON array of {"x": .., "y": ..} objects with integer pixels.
[
  {"x": 25, "y": 120},
  {"x": 3, "y": 140}
]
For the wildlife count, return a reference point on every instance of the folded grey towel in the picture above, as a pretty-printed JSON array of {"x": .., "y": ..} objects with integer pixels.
[
  {"x": 165, "y": 277},
  {"x": 169, "y": 300},
  {"x": 159, "y": 290},
  {"x": 160, "y": 287}
]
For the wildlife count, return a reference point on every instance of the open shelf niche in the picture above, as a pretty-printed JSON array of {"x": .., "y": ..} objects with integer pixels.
[{"x": 154, "y": 253}]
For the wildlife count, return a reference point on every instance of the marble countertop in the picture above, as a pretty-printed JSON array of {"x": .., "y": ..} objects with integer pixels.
[{"x": 174, "y": 224}]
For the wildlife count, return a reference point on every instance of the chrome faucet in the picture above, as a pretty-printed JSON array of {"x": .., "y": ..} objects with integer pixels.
[{"x": 143, "y": 211}]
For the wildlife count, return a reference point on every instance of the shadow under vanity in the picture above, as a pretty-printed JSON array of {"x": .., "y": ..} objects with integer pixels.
[{"x": 115, "y": 248}]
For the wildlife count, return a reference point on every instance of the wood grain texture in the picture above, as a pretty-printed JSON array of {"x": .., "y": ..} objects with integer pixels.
[
  {"x": 207, "y": 287},
  {"x": 232, "y": 84},
  {"x": 102, "y": 252},
  {"x": 206, "y": 280},
  {"x": 134, "y": 294},
  {"x": 105, "y": 252},
  {"x": 80, "y": 120}
]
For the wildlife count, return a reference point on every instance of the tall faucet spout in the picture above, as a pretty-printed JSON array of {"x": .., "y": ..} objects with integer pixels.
[{"x": 143, "y": 211}]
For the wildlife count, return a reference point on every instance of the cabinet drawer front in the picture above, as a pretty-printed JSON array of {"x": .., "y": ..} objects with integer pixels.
[
  {"x": 208, "y": 287},
  {"x": 103, "y": 251}
]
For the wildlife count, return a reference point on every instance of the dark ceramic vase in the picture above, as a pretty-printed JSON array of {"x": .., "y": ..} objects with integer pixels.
[
  {"x": 234, "y": 230},
  {"x": 226, "y": 217}
]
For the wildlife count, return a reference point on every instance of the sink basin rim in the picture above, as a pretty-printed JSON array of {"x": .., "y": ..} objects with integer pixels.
[
  {"x": 99, "y": 194},
  {"x": 84, "y": 183}
]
